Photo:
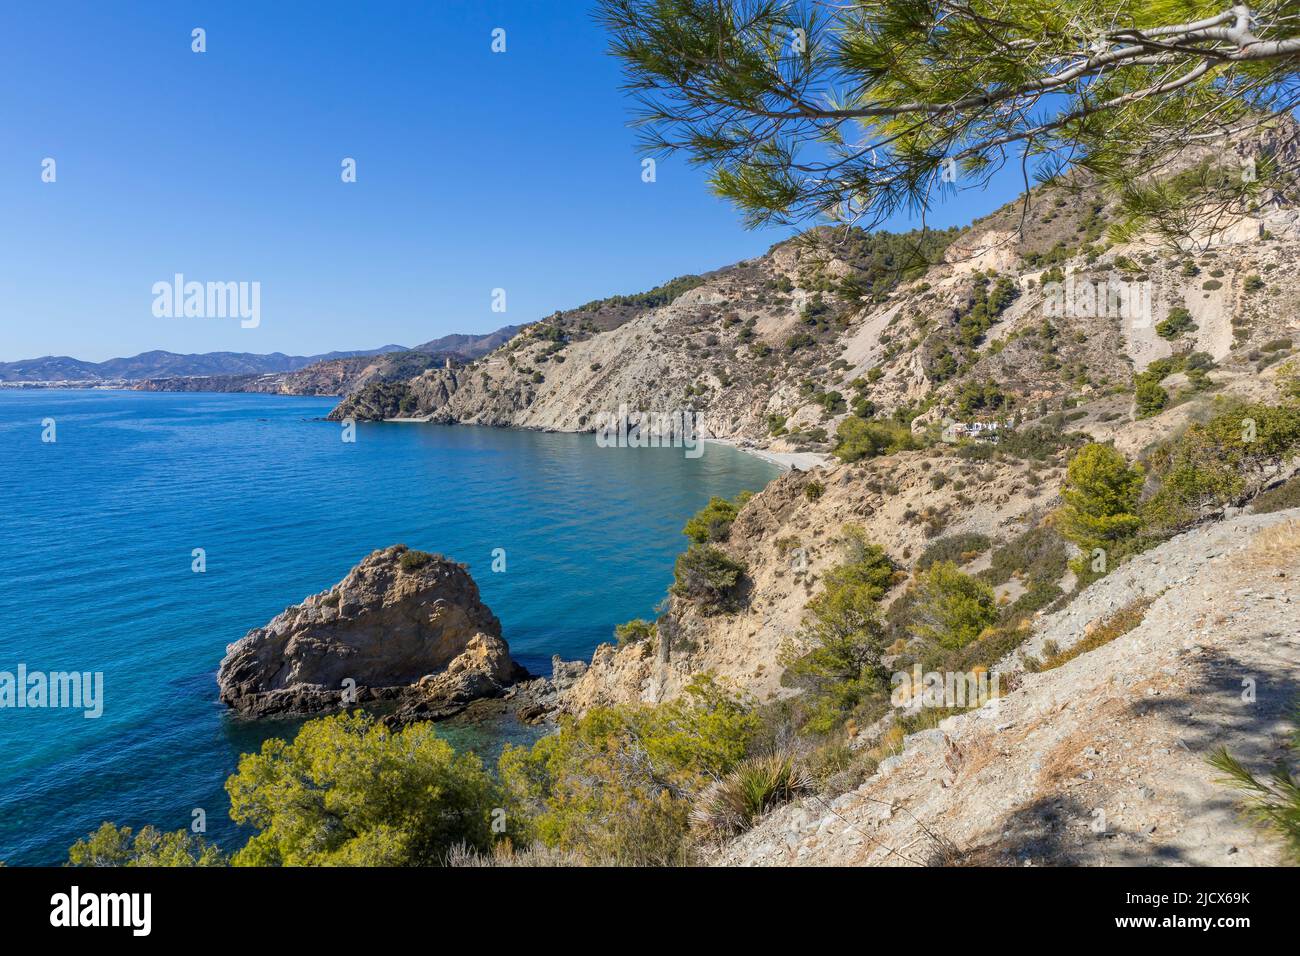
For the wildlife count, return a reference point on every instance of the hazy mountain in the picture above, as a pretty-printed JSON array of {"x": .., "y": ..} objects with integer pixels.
[
  {"x": 156, "y": 364},
  {"x": 470, "y": 346},
  {"x": 159, "y": 364}
]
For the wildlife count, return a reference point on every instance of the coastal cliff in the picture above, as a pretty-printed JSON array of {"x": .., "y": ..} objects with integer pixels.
[{"x": 793, "y": 350}]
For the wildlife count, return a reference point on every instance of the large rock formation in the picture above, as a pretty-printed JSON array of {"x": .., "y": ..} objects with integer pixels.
[{"x": 403, "y": 625}]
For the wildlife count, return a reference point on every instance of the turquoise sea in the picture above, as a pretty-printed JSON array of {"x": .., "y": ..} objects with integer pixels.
[{"x": 98, "y": 527}]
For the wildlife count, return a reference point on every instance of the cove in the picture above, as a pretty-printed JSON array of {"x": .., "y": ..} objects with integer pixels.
[{"x": 99, "y": 529}]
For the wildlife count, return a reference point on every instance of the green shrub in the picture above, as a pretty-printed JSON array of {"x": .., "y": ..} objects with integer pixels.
[
  {"x": 813, "y": 490},
  {"x": 735, "y": 803},
  {"x": 1149, "y": 399},
  {"x": 857, "y": 439},
  {"x": 1036, "y": 443},
  {"x": 414, "y": 560},
  {"x": 1220, "y": 461},
  {"x": 952, "y": 608},
  {"x": 975, "y": 398},
  {"x": 616, "y": 786},
  {"x": 836, "y": 659},
  {"x": 111, "y": 845},
  {"x": 349, "y": 792},
  {"x": 634, "y": 631},
  {"x": 1038, "y": 554},
  {"x": 957, "y": 548},
  {"x": 713, "y": 521},
  {"x": 1178, "y": 322},
  {"x": 707, "y": 576}
]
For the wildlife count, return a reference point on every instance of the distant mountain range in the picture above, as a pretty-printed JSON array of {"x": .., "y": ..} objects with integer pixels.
[
  {"x": 470, "y": 346},
  {"x": 160, "y": 364}
]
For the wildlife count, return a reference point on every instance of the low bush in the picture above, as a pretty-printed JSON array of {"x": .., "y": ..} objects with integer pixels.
[
  {"x": 414, "y": 560},
  {"x": 1149, "y": 399},
  {"x": 347, "y": 791},
  {"x": 635, "y": 631},
  {"x": 713, "y": 522},
  {"x": 952, "y": 608},
  {"x": 957, "y": 548},
  {"x": 1178, "y": 322},
  {"x": 1220, "y": 461},
  {"x": 836, "y": 658},
  {"x": 617, "y": 785},
  {"x": 1039, "y": 555},
  {"x": 1101, "y": 494},
  {"x": 856, "y": 439},
  {"x": 1273, "y": 803},
  {"x": 111, "y": 845},
  {"x": 707, "y": 576}
]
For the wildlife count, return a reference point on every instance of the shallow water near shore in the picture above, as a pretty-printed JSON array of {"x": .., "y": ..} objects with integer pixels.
[{"x": 96, "y": 542}]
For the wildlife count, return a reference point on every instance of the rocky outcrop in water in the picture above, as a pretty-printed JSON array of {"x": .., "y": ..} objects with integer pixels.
[{"x": 403, "y": 626}]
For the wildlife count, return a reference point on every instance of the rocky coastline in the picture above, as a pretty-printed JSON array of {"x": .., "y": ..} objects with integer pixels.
[{"x": 404, "y": 629}]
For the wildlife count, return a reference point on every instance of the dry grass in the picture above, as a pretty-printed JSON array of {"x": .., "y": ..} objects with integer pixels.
[
  {"x": 734, "y": 803},
  {"x": 1276, "y": 546},
  {"x": 505, "y": 854},
  {"x": 1115, "y": 626}
]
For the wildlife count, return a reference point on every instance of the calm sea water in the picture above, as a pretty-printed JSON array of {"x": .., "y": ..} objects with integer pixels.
[{"x": 96, "y": 535}]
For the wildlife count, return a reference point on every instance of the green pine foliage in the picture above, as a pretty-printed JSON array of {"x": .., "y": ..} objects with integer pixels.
[
  {"x": 804, "y": 110},
  {"x": 1220, "y": 461},
  {"x": 347, "y": 791},
  {"x": 112, "y": 845},
  {"x": 952, "y": 609},
  {"x": 1273, "y": 802},
  {"x": 1101, "y": 495},
  {"x": 857, "y": 439},
  {"x": 708, "y": 577},
  {"x": 713, "y": 522},
  {"x": 617, "y": 786}
]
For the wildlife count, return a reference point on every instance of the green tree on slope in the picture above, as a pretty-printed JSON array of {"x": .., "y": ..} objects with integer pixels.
[
  {"x": 349, "y": 792},
  {"x": 1101, "y": 494}
]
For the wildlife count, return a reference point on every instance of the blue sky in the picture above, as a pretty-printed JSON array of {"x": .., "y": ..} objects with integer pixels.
[{"x": 475, "y": 171}]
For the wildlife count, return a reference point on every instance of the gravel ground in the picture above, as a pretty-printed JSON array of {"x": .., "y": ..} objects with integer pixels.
[{"x": 1101, "y": 761}]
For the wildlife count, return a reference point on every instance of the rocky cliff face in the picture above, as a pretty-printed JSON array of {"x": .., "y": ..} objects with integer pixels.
[
  {"x": 403, "y": 625},
  {"x": 776, "y": 350},
  {"x": 780, "y": 350},
  {"x": 788, "y": 540},
  {"x": 1101, "y": 761}
]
